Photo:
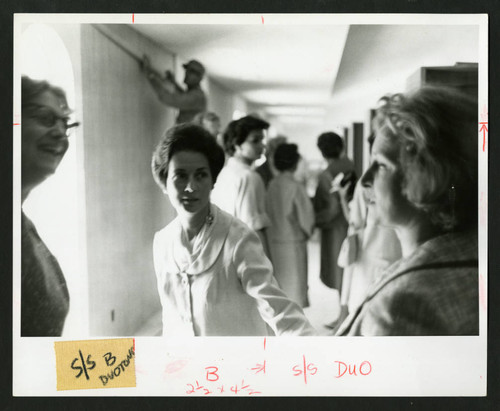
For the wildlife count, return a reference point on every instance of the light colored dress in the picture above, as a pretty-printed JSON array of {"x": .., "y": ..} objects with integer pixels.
[
  {"x": 221, "y": 283},
  {"x": 240, "y": 191},
  {"x": 292, "y": 222},
  {"x": 368, "y": 250}
]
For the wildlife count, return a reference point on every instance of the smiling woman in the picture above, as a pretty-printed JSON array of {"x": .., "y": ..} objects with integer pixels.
[
  {"x": 45, "y": 129},
  {"x": 49, "y": 52}
]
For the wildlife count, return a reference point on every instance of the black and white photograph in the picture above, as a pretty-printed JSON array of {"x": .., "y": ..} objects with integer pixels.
[{"x": 314, "y": 185}]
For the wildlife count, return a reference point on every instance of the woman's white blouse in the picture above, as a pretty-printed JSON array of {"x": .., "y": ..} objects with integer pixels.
[
  {"x": 240, "y": 191},
  {"x": 226, "y": 288}
]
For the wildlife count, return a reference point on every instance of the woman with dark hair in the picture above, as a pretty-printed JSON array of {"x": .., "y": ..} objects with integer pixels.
[
  {"x": 292, "y": 222},
  {"x": 213, "y": 276},
  {"x": 44, "y": 132},
  {"x": 267, "y": 170},
  {"x": 422, "y": 182},
  {"x": 240, "y": 191},
  {"x": 327, "y": 206}
]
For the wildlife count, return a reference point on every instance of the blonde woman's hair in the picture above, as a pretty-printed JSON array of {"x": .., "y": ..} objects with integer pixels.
[{"x": 437, "y": 131}]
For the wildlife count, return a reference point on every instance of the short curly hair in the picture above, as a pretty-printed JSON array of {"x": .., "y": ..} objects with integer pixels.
[
  {"x": 237, "y": 131},
  {"x": 436, "y": 128},
  {"x": 31, "y": 89},
  {"x": 330, "y": 144},
  {"x": 186, "y": 137}
]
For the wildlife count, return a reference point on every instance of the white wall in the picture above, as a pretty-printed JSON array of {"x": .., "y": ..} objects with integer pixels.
[
  {"x": 123, "y": 123},
  {"x": 223, "y": 101}
]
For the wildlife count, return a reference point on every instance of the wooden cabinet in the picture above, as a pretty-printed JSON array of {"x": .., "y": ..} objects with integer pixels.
[{"x": 463, "y": 76}]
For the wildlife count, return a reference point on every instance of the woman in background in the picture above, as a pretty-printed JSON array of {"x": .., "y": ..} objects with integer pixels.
[
  {"x": 292, "y": 222},
  {"x": 44, "y": 131},
  {"x": 329, "y": 215},
  {"x": 266, "y": 170},
  {"x": 213, "y": 275},
  {"x": 240, "y": 190},
  {"x": 422, "y": 182},
  {"x": 210, "y": 122}
]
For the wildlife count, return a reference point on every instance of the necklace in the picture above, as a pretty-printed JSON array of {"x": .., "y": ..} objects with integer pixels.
[
  {"x": 207, "y": 222},
  {"x": 209, "y": 219}
]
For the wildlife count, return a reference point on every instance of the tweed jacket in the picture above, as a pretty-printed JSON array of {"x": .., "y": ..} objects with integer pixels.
[{"x": 434, "y": 291}]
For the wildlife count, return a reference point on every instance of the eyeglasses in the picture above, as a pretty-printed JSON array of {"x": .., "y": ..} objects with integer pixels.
[{"x": 48, "y": 118}]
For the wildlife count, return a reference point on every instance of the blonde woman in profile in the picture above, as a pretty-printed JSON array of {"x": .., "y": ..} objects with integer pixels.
[{"x": 422, "y": 182}]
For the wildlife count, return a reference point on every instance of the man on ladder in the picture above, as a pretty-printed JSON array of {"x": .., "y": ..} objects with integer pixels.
[{"x": 190, "y": 102}]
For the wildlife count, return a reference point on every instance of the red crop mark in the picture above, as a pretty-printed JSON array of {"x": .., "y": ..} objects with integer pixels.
[
  {"x": 264, "y": 343},
  {"x": 482, "y": 293},
  {"x": 484, "y": 129},
  {"x": 262, "y": 17},
  {"x": 133, "y": 18},
  {"x": 260, "y": 367},
  {"x": 16, "y": 124}
]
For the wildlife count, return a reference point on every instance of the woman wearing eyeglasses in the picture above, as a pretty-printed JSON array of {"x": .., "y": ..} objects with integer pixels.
[{"x": 44, "y": 119}]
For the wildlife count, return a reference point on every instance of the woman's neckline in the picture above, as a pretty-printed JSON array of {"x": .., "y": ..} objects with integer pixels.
[{"x": 191, "y": 229}]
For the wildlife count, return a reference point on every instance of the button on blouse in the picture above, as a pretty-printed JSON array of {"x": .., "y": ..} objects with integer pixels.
[{"x": 227, "y": 287}]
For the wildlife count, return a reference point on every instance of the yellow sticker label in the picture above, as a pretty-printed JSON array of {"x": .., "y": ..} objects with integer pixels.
[{"x": 95, "y": 364}]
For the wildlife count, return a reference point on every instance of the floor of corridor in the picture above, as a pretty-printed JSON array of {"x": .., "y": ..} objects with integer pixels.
[{"x": 324, "y": 302}]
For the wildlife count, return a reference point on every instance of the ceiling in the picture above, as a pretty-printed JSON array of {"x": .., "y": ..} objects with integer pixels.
[{"x": 288, "y": 70}]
